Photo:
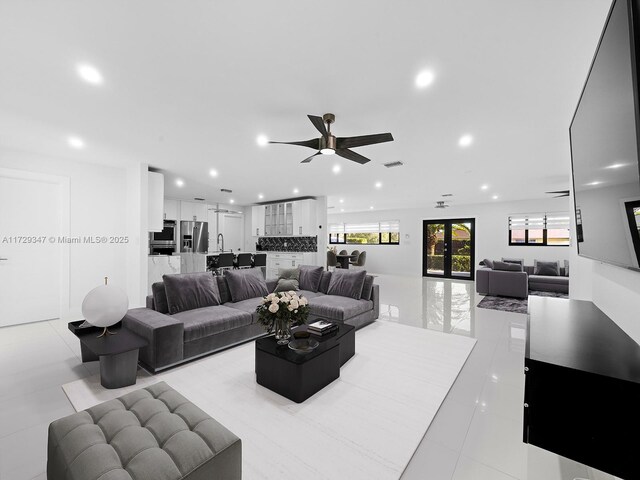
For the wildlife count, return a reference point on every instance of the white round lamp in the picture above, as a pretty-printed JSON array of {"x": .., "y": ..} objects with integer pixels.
[{"x": 104, "y": 306}]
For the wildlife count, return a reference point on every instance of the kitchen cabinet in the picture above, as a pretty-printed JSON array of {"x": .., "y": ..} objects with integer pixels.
[
  {"x": 278, "y": 219},
  {"x": 257, "y": 220},
  {"x": 189, "y": 210},
  {"x": 276, "y": 261},
  {"x": 155, "y": 206},
  {"x": 304, "y": 218},
  {"x": 170, "y": 209}
]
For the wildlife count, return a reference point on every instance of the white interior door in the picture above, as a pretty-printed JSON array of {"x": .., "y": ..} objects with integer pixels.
[
  {"x": 30, "y": 255},
  {"x": 233, "y": 232}
]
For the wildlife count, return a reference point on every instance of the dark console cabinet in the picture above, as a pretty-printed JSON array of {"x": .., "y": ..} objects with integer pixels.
[{"x": 582, "y": 386}]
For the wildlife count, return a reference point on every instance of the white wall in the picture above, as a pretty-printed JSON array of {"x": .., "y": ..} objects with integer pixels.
[
  {"x": 98, "y": 206},
  {"x": 492, "y": 240}
]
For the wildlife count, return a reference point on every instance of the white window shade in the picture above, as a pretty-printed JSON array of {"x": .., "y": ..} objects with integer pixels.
[
  {"x": 558, "y": 221},
  {"x": 361, "y": 227},
  {"x": 335, "y": 228},
  {"x": 392, "y": 226},
  {"x": 537, "y": 221}
]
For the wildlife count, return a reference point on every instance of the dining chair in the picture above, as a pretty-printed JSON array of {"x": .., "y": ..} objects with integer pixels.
[
  {"x": 343, "y": 252},
  {"x": 362, "y": 259},
  {"x": 332, "y": 260}
]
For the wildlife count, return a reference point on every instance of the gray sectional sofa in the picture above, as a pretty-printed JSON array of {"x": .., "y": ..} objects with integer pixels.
[
  {"x": 195, "y": 314},
  {"x": 517, "y": 282}
]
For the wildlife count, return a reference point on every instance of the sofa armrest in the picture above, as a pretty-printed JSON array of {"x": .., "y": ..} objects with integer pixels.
[
  {"x": 482, "y": 280},
  {"x": 375, "y": 298},
  {"x": 164, "y": 334},
  {"x": 510, "y": 284}
]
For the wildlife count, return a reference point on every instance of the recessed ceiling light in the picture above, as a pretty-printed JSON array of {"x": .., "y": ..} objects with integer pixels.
[
  {"x": 89, "y": 74},
  {"x": 495, "y": 197},
  {"x": 180, "y": 182},
  {"x": 75, "y": 142},
  {"x": 262, "y": 140},
  {"x": 336, "y": 168},
  {"x": 484, "y": 187},
  {"x": 342, "y": 209},
  {"x": 342, "y": 200},
  {"x": 617, "y": 165},
  {"x": 260, "y": 196},
  {"x": 465, "y": 140},
  {"x": 232, "y": 200},
  {"x": 295, "y": 190},
  {"x": 378, "y": 184},
  {"x": 591, "y": 184},
  {"x": 424, "y": 79},
  {"x": 213, "y": 172},
  {"x": 371, "y": 208}
]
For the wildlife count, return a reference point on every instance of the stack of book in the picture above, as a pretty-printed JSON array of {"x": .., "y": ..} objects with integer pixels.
[{"x": 322, "y": 328}]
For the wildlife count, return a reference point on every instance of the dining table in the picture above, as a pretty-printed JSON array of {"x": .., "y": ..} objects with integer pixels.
[{"x": 344, "y": 259}]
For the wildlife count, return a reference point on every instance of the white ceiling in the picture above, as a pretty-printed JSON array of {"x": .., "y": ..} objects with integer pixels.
[{"x": 189, "y": 86}]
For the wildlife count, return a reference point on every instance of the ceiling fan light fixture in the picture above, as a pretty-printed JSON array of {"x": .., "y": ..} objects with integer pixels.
[{"x": 327, "y": 151}]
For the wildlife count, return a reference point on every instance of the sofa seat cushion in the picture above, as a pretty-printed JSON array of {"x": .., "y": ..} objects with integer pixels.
[
  {"x": 336, "y": 307},
  {"x": 249, "y": 306},
  {"x": 308, "y": 294},
  {"x": 207, "y": 321},
  {"x": 554, "y": 280}
]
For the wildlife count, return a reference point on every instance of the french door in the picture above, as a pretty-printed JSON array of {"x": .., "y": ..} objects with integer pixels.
[{"x": 448, "y": 248}]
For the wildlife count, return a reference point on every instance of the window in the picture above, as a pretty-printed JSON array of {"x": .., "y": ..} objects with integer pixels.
[
  {"x": 375, "y": 233},
  {"x": 539, "y": 229}
]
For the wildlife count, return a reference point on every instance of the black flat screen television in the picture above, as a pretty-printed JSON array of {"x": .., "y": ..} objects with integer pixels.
[{"x": 605, "y": 137}]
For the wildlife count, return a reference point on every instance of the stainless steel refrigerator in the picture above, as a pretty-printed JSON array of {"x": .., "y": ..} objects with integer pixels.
[{"x": 194, "y": 237}]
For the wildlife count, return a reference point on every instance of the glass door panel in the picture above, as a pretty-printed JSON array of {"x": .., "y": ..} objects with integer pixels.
[{"x": 448, "y": 248}]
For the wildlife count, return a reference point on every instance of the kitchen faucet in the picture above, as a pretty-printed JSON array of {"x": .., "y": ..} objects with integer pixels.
[{"x": 218, "y": 242}]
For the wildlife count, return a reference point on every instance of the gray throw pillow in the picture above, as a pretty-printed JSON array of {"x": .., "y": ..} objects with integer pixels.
[
  {"x": 159, "y": 297},
  {"x": 488, "y": 263},
  {"x": 566, "y": 268},
  {"x": 286, "y": 284},
  {"x": 188, "y": 291},
  {"x": 289, "y": 273},
  {"x": 549, "y": 269},
  {"x": 324, "y": 282},
  {"x": 519, "y": 261},
  {"x": 367, "y": 288},
  {"x": 246, "y": 283},
  {"x": 310, "y": 277},
  {"x": 506, "y": 266},
  {"x": 347, "y": 283}
]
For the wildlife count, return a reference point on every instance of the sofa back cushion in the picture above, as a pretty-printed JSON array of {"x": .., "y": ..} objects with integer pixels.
[
  {"x": 245, "y": 284},
  {"x": 159, "y": 297},
  {"x": 310, "y": 277},
  {"x": 519, "y": 261},
  {"x": 506, "y": 266},
  {"x": 188, "y": 291},
  {"x": 347, "y": 283},
  {"x": 367, "y": 288},
  {"x": 223, "y": 288},
  {"x": 324, "y": 282},
  {"x": 487, "y": 263},
  {"x": 550, "y": 269}
]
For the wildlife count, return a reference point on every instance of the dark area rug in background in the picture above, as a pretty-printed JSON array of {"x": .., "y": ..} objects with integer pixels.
[{"x": 515, "y": 305}]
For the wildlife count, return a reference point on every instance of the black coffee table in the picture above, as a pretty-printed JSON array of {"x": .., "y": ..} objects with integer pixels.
[
  {"x": 118, "y": 354},
  {"x": 297, "y": 376}
]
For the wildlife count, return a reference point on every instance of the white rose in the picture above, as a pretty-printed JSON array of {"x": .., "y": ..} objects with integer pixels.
[
  {"x": 295, "y": 311},
  {"x": 294, "y": 303},
  {"x": 274, "y": 307},
  {"x": 270, "y": 297},
  {"x": 290, "y": 308},
  {"x": 292, "y": 293},
  {"x": 303, "y": 301}
]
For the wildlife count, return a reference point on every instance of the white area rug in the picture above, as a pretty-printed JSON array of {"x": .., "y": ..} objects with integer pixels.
[{"x": 365, "y": 425}]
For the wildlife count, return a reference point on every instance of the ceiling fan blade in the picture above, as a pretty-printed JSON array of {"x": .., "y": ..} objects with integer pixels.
[
  {"x": 351, "y": 155},
  {"x": 563, "y": 195},
  {"x": 560, "y": 191},
  {"x": 313, "y": 143},
  {"x": 308, "y": 159},
  {"x": 318, "y": 122},
  {"x": 350, "y": 142}
]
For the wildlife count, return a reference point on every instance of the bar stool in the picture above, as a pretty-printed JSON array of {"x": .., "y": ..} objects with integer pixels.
[
  {"x": 259, "y": 260},
  {"x": 243, "y": 260},
  {"x": 225, "y": 262}
]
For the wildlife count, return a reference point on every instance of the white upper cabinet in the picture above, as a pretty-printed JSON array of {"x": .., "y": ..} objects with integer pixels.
[
  {"x": 257, "y": 221},
  {"x": 170, "y": 209},
  {"x": 304, "y": 218},
  {"x": 156, "y": 202},
  {"x": 189, "y": 210},
  {"x": 286, "y": 219}
]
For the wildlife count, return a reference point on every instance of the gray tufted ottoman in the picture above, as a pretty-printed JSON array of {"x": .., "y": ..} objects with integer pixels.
[{"x": 151, "y": 434}]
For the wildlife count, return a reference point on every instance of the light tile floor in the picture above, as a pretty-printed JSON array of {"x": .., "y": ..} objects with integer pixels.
[{"x": 475, "y": 435}]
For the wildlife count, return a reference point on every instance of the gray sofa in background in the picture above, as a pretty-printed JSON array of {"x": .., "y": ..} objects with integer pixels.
[
  {"x": 518, "y": 282},
  {"x": 196, "y": 330},
  {"x": 151, "y": 433}
]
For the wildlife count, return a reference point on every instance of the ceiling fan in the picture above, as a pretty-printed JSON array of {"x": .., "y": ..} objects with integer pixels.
[
  {"x": 561, "y": 193},
  {"x": 328, "y": 144}
]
